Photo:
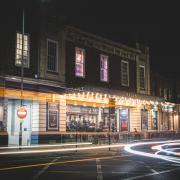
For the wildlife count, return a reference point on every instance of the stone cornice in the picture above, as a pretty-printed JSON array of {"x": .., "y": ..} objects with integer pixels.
[{"x": 97, "y": 42}]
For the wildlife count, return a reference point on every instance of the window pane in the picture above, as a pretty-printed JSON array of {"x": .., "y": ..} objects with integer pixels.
[
  {"x": 19, "y": 50},
  {"x": 52, "y": 56},
  {"x": 103, "y": 68},
  {"x": 79, "y": 70},
  {"x": 124, "y": 73},
  {"x": 142, "y": 77},
  {"x": 79, "y": 62}
]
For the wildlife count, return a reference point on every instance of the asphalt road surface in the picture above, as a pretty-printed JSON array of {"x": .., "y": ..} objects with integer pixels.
[{"x": 116, "y": 164}]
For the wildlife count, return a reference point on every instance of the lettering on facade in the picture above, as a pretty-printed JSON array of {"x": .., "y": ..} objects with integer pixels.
[{"x": 95, "y": 43}]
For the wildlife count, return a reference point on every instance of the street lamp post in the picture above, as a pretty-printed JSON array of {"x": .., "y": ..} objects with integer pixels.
[{"x": 22, "y": 75}]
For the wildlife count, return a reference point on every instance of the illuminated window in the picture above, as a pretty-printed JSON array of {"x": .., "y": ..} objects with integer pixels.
[
  {"x": 52, "y": 56},
  {"x": 80, "y": 62},
  {"x": 19, "y": 50},
  {"x": 142, "y": 77},
  {"x": 124, "y": 73},
  {"x": 103, "y": 68}
]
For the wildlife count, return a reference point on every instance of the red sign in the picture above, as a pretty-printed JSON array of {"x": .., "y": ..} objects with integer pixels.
[{"x": 21, "y": 112}]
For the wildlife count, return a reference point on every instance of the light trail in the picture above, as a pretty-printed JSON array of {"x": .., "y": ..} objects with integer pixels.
[
  {"x": 60, "y": 150},
  {"x": 129, "y": 148},
  {"x": 160, "y": 148},
  {"x": 47, "y": 145}
]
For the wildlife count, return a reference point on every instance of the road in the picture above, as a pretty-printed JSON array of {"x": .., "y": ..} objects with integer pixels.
[{"x": 116, "y": 164}]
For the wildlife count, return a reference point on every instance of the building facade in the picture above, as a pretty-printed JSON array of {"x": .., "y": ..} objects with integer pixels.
[
  {"x": 166, "y": 88},
  {"x": 75, "y": 81}
]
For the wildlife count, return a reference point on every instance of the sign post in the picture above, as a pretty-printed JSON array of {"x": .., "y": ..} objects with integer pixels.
[{"x": 21, "y": 113}]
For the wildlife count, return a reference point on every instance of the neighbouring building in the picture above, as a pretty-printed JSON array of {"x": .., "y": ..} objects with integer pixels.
[{"x": 166, "y": 88}]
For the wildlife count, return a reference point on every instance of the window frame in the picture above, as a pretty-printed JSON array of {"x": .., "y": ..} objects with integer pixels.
[
  {"x": 57, "y": 55},
  {"x": 103, "y": 55},
  {"x": 126, "y": 62},
  {"x": 142, "y": 88},
  {"x": 83, "y": 50},
  {"x": 28, "y": 51}
]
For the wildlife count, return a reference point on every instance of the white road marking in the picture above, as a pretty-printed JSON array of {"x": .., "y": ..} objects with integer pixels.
[
  {"x": 151, "y": 169},
  {"x": 150, "y": 174},
  {"x": 99, "y": 170},
  {"x": 148, "y": 167},
  {"x": 44, "y": 169}
]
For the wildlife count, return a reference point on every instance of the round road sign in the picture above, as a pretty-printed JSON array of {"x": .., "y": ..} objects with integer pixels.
[{"x": 21, "y": 112}]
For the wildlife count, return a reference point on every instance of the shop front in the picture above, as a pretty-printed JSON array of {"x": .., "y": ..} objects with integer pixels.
[
  {"x": 167, "y": 114},
  {"x": 80, "y": 118},
  {"x": 91, "y": 119},
  {"x": 96, "y": 112}
]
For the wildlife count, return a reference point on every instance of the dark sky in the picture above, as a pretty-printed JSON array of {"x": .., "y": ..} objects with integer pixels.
[{"x": 153, "y": 23}]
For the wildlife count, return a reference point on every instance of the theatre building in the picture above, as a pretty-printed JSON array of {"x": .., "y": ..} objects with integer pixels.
[{"x": 75, "y": 81}]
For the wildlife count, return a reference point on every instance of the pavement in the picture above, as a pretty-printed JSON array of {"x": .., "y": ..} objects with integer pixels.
[{"x": 71, "y": 147}]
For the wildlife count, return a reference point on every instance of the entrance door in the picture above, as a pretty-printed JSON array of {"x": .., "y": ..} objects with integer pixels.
[{"x": 13, "y": 123}]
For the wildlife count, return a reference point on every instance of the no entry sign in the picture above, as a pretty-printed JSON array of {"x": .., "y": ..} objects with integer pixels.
[{"x": 22, "y": 112}]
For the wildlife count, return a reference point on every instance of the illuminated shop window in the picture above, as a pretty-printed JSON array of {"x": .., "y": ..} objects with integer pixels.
[
  {"x": 142, "y": 77},
  {"x": 80, "y": 118},
  {"x": 52, "y": 56},
  {"x": 26, "y": 50},
  {"x": 124, "y": 73},
  {"x": 103, "y": 68},
  {"x": 80, "y": 62}
]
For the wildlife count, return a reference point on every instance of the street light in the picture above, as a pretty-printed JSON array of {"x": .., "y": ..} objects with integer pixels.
[{"x": 22, "y": 75}]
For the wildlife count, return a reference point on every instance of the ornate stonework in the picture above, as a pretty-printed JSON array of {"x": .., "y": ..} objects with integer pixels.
[{"x": 90, "y": 40}]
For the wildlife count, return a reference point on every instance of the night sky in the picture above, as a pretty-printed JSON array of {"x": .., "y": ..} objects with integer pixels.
[{"x": 153, "y": 24}]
